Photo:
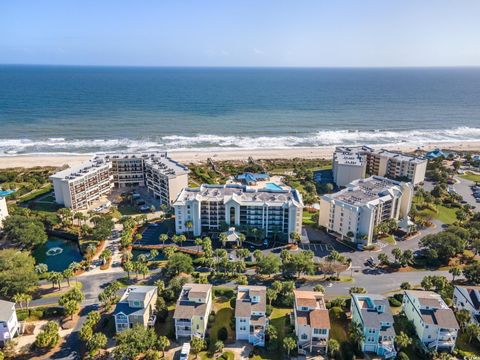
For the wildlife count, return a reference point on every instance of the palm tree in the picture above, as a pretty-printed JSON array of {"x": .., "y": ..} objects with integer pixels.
[
  {"x": 223, "y": 238},
  {"x": 90, "y": 252},
  {"x": 128, "y": 266},
  {"x": 403, "y": 340},
  {"x": 356, "y": 333},
  {"x": 198, "y": 242},
  {"x": 67, "y": 274},
  {"x": 189, "y": 225},
  {"x": 182, "y": 238},
  {"x": 241, "y": 239},
  {"x": 333, "y": 347},
  {"x": 455, "y": 271},
  {"x": 163, "y": 238}
]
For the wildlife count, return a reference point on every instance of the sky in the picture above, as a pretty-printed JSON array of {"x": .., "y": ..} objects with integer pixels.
[{"x": 277, "y": 33}]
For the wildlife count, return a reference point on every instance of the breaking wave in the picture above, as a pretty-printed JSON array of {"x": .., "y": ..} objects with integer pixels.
[{"x": 209, "y": 142}]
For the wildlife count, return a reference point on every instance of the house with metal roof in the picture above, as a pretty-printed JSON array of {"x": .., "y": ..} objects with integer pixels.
[
  {"x": 136, "y": 306},
  {"x": 373, "y": 314}
]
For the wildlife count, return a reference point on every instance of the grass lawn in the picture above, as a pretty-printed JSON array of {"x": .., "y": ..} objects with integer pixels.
[
  {"x": 307, "y": 218},
  {"x": 339, "y": 332},
  {"x": 223, "y": 317},
  {"x": 62, "y": 291},
  {"x": 127, "y": 209},
  {"x": 444, "y": 214},
  {"x": 470, "y": 176},
  {"x": 389, "y": 240},
  {"x": 48, "y": 207}
]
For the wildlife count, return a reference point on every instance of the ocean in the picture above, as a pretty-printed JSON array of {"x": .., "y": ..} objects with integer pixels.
[{"x": 64, "y": 109}]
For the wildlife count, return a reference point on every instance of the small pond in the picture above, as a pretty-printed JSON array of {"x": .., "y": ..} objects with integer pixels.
[{"x": 57, "y": 253}]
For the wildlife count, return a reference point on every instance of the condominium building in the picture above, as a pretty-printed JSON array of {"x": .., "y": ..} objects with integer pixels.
[
  {"x": 468, "y": 298},
  {"x": 211, "y": 207},
  {"x": 312, "y": 322},
  {"x": 9, "y": 325},
  {"x": 353, "y": 212},
  {"x": 79, "y": 186},
  {"x": 192, "y": 310},
  {"x": 372, "y": 313},
  {"x": 434, "y": 321},
  {"x": 351, "y": 163},
  {"x": 3, "y": 210},
  {"x": 250, "y": 314},
  {"x": 136, "y": 306}
]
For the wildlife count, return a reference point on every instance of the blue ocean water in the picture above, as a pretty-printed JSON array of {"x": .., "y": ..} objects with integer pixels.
[{"x": 87, "y": 109}]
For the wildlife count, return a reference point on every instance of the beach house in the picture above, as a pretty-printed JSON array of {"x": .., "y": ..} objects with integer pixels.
[
  {"x": 136, "y": 306},
  {"x": 9, "y": 326},
  {"x": 434, "y": 321},
  {"x": 250, "y": 314},
  {"x": 312, "y": 322},
  {"x": 193, "y": 307},
  {"x": 468, "y": 298},
  {"x": 372, "y": 313}
]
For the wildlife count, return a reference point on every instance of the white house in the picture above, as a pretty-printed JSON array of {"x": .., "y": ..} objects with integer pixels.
[
  {"x": 373, "y": 314},
  {"x": 192, "y": 310},
  {"x": 312, "y": 322},
  {"x": 136, "y": 306},
  {"x": 468, "y": 297},
  {"x": 434, "y": 321},
  {"x": 250, "y": 314},
  {"x": 8, "y": 321}
]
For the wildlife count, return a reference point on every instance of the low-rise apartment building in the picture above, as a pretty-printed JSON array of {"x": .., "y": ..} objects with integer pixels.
[
  {"x": 136, "y": 306},
  {"x": 78, "y": 187},
  {"x": 352, "y": 213},
  {"x": 3, "y": 210},
  {"x": 434, "y": 321},
  {"x": 468, "y": 298},
  {"x": 211, "y": 207},
  {"x": 192, "y": 310},
  {"x": 312, "y": 322},
  {"x": 250, "y": 314},
  {"x": 373, "y": 314},
  {"x": 9, "y": 326},
  {"x": 350, "y": 163}
]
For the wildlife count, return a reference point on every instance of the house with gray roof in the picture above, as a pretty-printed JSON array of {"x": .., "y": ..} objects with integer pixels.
[
  {"x": 434, "y": 321},
  {"x": 250, "y": 314},
  {"x": 136, "y": 306},
  {"x": 8, "y": 321},
  {"x": 373, "y": 314},
  {"x": 193, "y": 307},
  {"x": 468, "y": 298}
]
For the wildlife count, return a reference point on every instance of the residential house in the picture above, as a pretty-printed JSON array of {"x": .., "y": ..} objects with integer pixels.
[
  {"x": 136, "y": 306},
  {"x": 312, "y": 322},
  {"x": 250, "y": 314},
  {"x": 192, "y": 310},
  {"x": 372, "y": 313},
  {"x": 434, "y": 321},
  {"x": 8, "y": 321},
  {"x": 468, "y": 297}
]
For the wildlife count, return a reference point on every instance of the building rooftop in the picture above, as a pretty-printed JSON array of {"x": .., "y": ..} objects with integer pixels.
[
  {"x": 6, "y": 310},
  {"x": 352, "y": 155},
  {"x": 374, "y": 310},
  {"x": 78, "y": 171},
  {"x": 239, "y": 193},
  {"x": 317, "y": 316},
  {"x": 186, "y": 306},
  {"x": 364, "y": 191},
  {"x": 472, "y": 294},
  {"x": 433, "y": 309},
  {"x": 244, "y": 305}
]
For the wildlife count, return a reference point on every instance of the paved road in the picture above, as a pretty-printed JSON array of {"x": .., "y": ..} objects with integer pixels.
[{"x": 463, "y": 188}]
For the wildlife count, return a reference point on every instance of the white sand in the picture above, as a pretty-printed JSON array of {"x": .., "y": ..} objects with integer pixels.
[{"x": 240, "y": 154}]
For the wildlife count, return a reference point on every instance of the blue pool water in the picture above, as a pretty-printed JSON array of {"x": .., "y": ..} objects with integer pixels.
[
  {"x": 4, "y": 193},
  {"x": 272, "y": 186}
]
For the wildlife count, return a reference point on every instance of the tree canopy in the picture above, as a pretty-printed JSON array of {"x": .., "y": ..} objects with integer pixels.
[
  {"x": 17, "y": 272},
  {"x": 24, "y": 231}
]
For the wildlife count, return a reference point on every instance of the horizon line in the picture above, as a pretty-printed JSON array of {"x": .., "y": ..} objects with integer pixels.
[{"x": 245, "y": 66}]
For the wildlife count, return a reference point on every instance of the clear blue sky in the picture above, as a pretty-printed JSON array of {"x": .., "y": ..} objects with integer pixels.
[{"x": 241, "y": 32}]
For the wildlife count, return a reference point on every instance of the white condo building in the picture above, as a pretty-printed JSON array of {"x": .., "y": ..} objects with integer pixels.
[
  {"x": 3, "y": 210},
  {"x": 354, "y": 211},
  {"x": 435, "y": 323},
  {"x": 351, "y": 163},
  {"x": 79, "y": 186},
  {"x": 210, "y": 207}
]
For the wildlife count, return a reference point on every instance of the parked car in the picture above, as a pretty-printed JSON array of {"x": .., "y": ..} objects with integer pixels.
[{"x": 185, "y": 352}]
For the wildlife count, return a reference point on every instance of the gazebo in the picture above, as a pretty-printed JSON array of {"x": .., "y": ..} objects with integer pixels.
[{"x": 230, "y": 236}]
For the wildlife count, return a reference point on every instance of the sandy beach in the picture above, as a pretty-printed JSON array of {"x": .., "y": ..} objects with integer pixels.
[{"x": 195, "y": 156}]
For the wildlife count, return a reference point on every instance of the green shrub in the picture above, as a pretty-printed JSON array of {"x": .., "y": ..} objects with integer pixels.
[
  {"x": 402, "y": 356},
  {"x": 222, "y": 334},
  {"x": 269, "y": 310},
  {"x": 224, "y": 292},
  {"x": 394, "y": 302}
]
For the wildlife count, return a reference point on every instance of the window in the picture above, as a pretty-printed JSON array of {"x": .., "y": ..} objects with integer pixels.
[{"x": 304, "y": 336}]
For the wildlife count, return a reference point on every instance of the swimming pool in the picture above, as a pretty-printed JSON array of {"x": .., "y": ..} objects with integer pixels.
[
  {"x": 4, "y": 193},
  {"x": 272, "y": 186}
]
